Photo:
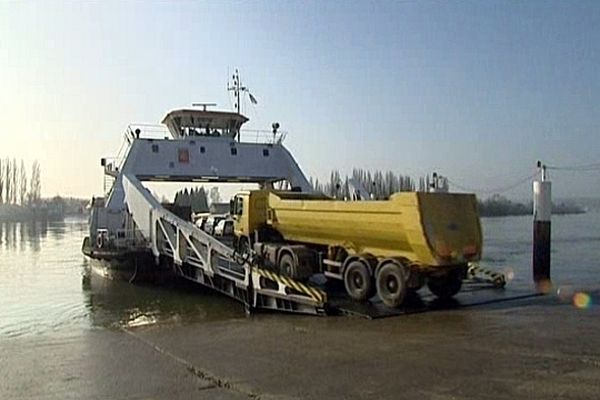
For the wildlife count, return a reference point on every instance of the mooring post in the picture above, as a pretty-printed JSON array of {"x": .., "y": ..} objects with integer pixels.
[{"x": 542, "y": 212}]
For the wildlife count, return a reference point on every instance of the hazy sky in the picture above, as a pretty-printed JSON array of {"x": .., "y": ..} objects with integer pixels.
[{"x": 475, "y": 90}]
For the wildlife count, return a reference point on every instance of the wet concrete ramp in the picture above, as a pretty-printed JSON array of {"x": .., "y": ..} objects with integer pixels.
[{"x": 473, "y": 294}]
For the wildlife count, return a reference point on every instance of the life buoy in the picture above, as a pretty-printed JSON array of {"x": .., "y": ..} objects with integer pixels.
[{"x": 100, "y": 241}]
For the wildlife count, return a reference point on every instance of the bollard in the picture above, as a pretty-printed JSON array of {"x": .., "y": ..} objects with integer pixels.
[{"x": 542, "y": 211}]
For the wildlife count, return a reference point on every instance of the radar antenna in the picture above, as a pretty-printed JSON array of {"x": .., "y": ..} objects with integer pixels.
[{"x": 204, "y": 105}]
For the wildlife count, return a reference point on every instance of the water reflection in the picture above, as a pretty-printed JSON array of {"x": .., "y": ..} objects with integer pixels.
[
  {"x": 48, "y": 287},
  {"x": 58, "y": 230},
  {"x": 39, "y": 278},
  {"x": 24, "y": 236},
  {"x": 113, "y": 302}
]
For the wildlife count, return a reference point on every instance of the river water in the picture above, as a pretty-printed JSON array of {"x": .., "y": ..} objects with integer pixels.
[{"x": 47, "y": 287}]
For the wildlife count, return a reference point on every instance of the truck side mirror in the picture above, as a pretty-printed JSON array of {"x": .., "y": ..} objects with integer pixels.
[{"x": 239, "y": 207}]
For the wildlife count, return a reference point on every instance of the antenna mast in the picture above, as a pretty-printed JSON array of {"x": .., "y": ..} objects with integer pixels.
[{"x": 237, "y": 88}]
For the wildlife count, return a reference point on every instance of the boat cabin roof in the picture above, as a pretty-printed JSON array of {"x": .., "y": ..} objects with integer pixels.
[{"x": 185, "y": 122}]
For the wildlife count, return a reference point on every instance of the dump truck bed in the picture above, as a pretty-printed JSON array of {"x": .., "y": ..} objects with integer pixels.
[{"x": 431, "y": 229}]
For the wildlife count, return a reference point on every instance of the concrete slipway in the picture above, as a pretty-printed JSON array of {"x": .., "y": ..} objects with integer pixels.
[{"x": 536, "y": 347}]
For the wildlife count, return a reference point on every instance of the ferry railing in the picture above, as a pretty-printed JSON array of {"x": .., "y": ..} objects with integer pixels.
[
  {"x": 133, "y": 131},
  {"x": 154, "y": 131},
  {"x": 112, "y": 165},
  {"x": 262, "y": 136},
  {"x": 147, "y": 131}
]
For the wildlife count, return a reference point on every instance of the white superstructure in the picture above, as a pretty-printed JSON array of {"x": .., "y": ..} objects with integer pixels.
[{"x": 205, "y": 146}]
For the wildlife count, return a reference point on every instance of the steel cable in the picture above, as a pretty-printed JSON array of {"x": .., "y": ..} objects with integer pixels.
[
  {"x": 498, "y": 190},
  {"x": 576, "y": 168}
]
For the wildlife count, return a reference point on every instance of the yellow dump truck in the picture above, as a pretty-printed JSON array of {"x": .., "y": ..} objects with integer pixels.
[{"x": 388, "y": 247}]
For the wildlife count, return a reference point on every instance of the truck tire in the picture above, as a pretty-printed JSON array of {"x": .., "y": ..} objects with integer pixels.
[
  {"x": 287, "y": 266},
  {"x": 446, "y": 286},
  {"x": 391, "y": 284},
  {"x": 358, "y": 282}
]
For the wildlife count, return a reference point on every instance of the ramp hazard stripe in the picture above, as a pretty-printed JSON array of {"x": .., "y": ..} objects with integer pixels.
[
  {"x": 316, "y": 294},
  {"x": 496, "y": 278}
]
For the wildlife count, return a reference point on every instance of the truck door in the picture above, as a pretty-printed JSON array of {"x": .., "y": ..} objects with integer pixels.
[{"x": 240, "y": 225}]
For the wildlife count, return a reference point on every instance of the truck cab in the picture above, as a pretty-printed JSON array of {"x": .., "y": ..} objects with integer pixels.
[
  {"x": 249, "y": 212},
  {"x": 244, "y": 213}
]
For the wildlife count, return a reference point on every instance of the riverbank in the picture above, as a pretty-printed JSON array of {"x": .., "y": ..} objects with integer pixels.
[
  {"x": 47, "y": 209},
  {"x": 18, "y": 213},
  {"x": 15, "y": 213}
]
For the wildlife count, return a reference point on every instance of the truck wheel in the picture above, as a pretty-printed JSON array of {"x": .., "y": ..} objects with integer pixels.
[
  {"x": 358, "y": 282},
  {"x": 286, "y": 266},
  {"x": 445, "y": 286},
  {"x": 391, "y": 285}
]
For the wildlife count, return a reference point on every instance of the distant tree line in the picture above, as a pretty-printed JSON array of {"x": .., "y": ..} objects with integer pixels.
[
  {"x": 15, "y": 188},
  {"x": 379, "y": 184},
  {"x": 67, "y": 205},
  {"x": 499, "y": 206}
]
